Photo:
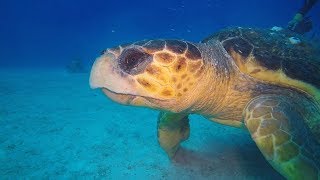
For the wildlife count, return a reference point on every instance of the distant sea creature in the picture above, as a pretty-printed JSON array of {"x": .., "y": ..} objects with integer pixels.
[{"x": 76, "y": 66}]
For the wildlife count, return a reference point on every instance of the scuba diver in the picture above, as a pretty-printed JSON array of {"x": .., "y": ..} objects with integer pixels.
[{"x": 300, "y": 23}]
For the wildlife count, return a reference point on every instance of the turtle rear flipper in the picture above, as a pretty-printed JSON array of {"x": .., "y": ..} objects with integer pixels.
[{"x": 280, "y": 132}]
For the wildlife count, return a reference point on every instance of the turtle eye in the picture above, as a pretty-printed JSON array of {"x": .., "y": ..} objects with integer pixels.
[{"x": 133, "y": 61}]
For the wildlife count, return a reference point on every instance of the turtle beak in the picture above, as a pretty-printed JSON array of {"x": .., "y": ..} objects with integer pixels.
[
  {"x": 98, "y": 73},
  {"x": 106, "y": 74}
]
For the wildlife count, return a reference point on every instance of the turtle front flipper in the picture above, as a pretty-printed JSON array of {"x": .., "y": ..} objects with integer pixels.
[
  {"x": 173, "y": 128},
  {"x": 280, "y": 132}
]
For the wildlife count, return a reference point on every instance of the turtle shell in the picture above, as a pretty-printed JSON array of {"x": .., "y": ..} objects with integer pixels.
[{"x": 274, "y": 57}]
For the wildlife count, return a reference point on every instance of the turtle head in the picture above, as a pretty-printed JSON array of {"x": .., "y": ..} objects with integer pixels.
[{"x": 161, "y": 74}]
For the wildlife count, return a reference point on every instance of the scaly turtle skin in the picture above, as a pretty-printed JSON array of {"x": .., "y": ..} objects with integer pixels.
[{"x": 249, "y": 78}]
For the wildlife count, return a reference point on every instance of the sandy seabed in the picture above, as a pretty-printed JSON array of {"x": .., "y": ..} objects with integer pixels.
[{"x": 53, "y": 126}]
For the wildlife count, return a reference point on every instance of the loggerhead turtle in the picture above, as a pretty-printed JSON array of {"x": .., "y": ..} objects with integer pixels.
[{"x": 249, "y": 78}]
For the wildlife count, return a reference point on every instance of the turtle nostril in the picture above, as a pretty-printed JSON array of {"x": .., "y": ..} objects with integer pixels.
[{"x": 133, "y": 61}]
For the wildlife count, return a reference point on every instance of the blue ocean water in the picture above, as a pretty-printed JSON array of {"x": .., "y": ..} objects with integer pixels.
[
  {"x": 50, "y": 33},
  {"x": 52, "y": 125}
]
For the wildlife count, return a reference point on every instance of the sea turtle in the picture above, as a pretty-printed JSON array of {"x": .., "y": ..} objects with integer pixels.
[{"x": 251, "y": 78}]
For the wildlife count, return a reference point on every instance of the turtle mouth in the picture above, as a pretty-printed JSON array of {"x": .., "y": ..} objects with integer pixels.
[
  {"x": 130, "y": 99},
  {"x": 119, "y": 97}
]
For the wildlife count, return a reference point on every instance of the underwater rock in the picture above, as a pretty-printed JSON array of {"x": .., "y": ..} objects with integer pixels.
[
  {"x": 276, "y": 28},
  {"x": 294, "y": 40},
  {"x": 76, "y": 66}
]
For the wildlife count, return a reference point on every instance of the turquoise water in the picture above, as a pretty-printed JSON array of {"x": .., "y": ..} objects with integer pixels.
[{"x": 53, "y": 126}]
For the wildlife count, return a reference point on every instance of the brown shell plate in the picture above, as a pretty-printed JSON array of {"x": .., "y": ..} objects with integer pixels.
[{"x": 273, "y": 51}]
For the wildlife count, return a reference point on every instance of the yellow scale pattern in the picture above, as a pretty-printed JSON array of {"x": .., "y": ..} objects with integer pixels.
[{"x": 169, "y": 74}]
